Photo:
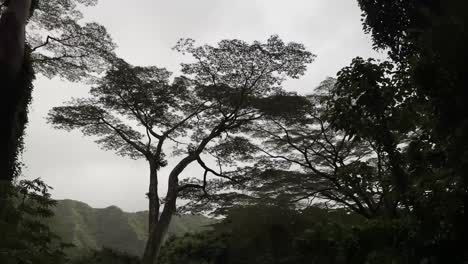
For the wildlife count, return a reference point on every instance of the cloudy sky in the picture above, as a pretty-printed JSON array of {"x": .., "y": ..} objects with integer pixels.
[{"x": 145, "y": 31}]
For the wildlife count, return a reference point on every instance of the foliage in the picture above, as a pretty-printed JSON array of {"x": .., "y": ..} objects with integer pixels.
[
  {"x": 106, "y": 256},
  {"x": 14, "y": 112},
  {"x": 433, "y": 40},
  {"x": 127, "y": 93},
  {"x": 207, "y": 247},
  {"x": 306, "y": 155},
  {"x": 314, "y": 235},
  {"x": 255, "y": 67},
  {"x": 26, "y": 238},
  {"x": 280, "y": 235},
  {"x": 434, "y": 68},
  {"x": 65, "y": 47}
]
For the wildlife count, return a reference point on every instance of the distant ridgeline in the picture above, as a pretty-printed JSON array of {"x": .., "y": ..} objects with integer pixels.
[{"x": 92, "y": 229}]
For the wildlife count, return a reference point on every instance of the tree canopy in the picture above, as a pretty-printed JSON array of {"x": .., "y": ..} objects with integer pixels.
[
  {"x": 64, "y": 46},
  {"x": 221, "y": 92}
]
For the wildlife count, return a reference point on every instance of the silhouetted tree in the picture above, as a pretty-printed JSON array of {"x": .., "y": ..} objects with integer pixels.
[
  {"x": 26, "y": 238},
  {"x": 44, "y": 37},
  {"x": 63, "y": 45},
  {"x": 219, "y": 96},
  {"x": 308, "y": 153},
  {"x": 16, "y": 84},
  {"x": 426, "y": 40}
]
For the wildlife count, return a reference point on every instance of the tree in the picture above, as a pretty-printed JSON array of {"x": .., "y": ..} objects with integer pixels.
[
  {"x": 12, "y": 30},
  {"x": 308, "y": 157},
  {"x": 218, "y": 97},
  {"x": 62, "y": 45},
  {"x": 26, "y": 238},
  {"x": 44, "y": 37},
  {"x": 427, "y": 40}
]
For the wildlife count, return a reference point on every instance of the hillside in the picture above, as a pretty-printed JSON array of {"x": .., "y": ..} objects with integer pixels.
[{"x": 90, "y": 228}]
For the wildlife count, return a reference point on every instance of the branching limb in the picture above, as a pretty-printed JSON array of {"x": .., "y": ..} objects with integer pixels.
[
  {"x": 49, "y": 38},
  {"x": 217, "y": 174},
  {"x": 196, "y": 186}
]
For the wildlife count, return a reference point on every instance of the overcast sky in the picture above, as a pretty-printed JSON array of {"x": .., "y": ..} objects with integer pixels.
[{"x": 145, "y": 31}]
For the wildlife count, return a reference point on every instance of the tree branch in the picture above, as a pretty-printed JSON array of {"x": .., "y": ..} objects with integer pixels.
[
  {"x": 124, "y": 137},
  {"x": 203, "y": 165},
  {"x": 61, "y": 41},
  {"x": 196, "y": 186}
]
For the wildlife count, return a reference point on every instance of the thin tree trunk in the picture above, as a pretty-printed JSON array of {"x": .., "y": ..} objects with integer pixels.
[
  {"x": 153, "y": 197},
  {"x": 159, "y": 232},
  {"x": 153, "y": 215}
]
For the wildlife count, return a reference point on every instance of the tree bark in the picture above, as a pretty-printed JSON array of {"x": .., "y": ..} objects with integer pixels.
[
  {"x": 16, "y": 77},
  {"x": 153, "y": 196},
  {"x": 160, "y": 228},
  {"x": 15, "y": 81},
  {"x": 12, "y": 35},
  {"x": 158, "y": 233}
]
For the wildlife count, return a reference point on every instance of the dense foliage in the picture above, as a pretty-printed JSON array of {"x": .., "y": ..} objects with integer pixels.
[
  {"x": 62, "y": 45},
  {"x": 106, "y": 256},
  {"x": 280, "y": 235},
  {"x": 385, "y": 140},
  {"x": 26, "y": 237},
  {"x": 428, "y": 50}
]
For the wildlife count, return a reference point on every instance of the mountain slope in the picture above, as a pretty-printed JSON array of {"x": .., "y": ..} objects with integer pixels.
[{"x": 89, "y": 228}]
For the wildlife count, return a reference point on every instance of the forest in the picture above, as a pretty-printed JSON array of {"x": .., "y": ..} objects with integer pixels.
[{"x": 370, "y": 166}]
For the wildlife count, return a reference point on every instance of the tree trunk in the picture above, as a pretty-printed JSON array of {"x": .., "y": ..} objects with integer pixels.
[
  {"x": 160, "y": 228},
  {"x": 158, "y": 233},
  {"x": 153, "y": 196},
  {"x": 16, "y": 77},
  {"x": 12, "y": 36}
]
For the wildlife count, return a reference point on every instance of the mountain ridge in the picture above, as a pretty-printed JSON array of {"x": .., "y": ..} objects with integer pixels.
[{"x": 89, "y": 228}]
